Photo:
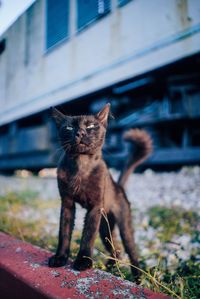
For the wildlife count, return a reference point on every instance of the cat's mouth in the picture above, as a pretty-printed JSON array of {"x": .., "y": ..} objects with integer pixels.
[
  {"x": 84, "y": 142},
  {"x": 84, "y": 146},
  {"x": 81, "y": 145}
]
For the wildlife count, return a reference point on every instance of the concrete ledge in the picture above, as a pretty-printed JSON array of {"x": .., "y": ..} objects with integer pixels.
[{"x": 24, "y": 274}]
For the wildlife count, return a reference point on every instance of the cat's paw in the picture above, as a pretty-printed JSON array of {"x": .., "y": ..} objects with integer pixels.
[
  {"x": 136, "y": 274},
  {"x": 110, "y": 264},
  {"x": 57, "y": 261},
  {"x": 83, "y": 263}
]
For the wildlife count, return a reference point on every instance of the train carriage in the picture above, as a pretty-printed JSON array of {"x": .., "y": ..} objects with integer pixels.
[{"x": 142, "y": 56}]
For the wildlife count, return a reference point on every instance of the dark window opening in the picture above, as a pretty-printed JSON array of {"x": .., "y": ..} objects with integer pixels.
[
  {"x": 168, "y": 137},
  {"x": 3, "y": 129},
  {"x": 195, "y": 134},
  {"x": 177, "y": 103},
  {"x": 32, "y": 121},
  {"x": 57, "y": 23},
  {"x": 2, "y": 46},
  {"x": 123, "y": 2},
  {"x": 90, "y": 10}
]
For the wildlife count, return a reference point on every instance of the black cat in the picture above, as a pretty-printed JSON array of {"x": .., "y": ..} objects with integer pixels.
[{"x": 83, "y": 178}]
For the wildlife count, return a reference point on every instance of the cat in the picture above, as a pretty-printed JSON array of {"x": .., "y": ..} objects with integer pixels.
[{"x": 84, "y": 178}]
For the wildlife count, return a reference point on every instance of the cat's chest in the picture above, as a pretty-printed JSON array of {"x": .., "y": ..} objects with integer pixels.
[
  {"x": 83, "y": 185},
  {"x": 88, "y": 193},
  {"x": 74, "y": 172}
]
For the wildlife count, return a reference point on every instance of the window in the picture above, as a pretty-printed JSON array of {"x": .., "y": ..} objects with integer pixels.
[
  {"x": 57, "y": 24},
  {"x": 123, "y": 2},
  {"x": 2, "y": 46},
  {"x": 90, "y": 10}
]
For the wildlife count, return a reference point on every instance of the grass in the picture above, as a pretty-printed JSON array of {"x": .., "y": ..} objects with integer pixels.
[
  {"x": 169, "y": 263},
  {"x": 177, "y": 221},
  {"x": 30, "y": 226}
]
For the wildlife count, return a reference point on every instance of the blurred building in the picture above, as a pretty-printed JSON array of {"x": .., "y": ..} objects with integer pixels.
[{"x": 142, "y": 56}]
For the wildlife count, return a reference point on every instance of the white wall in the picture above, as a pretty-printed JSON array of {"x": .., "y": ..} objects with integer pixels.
[{"x": 140, "y": 36}]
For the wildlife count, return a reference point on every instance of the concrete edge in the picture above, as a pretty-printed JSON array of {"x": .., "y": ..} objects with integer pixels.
[{"x": 24, "y": 273}]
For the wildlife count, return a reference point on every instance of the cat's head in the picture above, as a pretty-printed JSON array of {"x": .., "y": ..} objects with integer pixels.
[{"x": 82, "y": 134}]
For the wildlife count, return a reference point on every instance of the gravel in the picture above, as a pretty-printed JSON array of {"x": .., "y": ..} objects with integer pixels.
[
  {"x": 169, "y": 189},
  {"x": 144, "y": 190}
]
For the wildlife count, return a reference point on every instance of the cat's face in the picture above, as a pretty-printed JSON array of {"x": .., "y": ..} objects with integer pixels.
[{"x": 82, "y": 134}]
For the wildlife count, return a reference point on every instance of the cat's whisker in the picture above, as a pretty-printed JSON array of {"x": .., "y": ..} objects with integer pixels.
[{"x": 61, "y": 148}]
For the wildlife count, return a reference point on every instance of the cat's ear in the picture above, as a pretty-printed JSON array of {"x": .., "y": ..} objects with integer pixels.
[
  {"x": 58, "y": 116},
  {"x": 102, "y": 115}
]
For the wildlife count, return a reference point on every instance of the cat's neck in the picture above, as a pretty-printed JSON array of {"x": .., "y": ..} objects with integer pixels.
[{"x": 82, "y": 161}]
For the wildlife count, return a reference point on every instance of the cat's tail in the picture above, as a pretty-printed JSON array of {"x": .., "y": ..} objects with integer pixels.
[{"x": 142, "y": 148}]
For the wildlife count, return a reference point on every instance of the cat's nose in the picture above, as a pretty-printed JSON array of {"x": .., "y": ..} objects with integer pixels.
[{"x": 80, "y": 133}]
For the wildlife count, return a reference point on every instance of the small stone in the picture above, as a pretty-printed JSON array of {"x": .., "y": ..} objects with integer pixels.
[
  {"x": 55, "y": 273},
  {"x": 18, "y": 250},
  {"x": 34, "y": 265},
  {"x": 63, "y": 284}
]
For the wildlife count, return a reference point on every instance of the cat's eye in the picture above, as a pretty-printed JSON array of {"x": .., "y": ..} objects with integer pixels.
[
  {"x": 91, "y": 126},
  {"x": 69, "y": 128}
]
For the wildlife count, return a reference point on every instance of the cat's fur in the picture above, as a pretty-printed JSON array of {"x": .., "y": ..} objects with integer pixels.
[{"x": 83, "y": 178}]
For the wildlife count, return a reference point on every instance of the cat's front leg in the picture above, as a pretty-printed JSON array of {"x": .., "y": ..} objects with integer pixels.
[
  {"x": 67, "y": 216},
  {"x": 91, "y": 227}
]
